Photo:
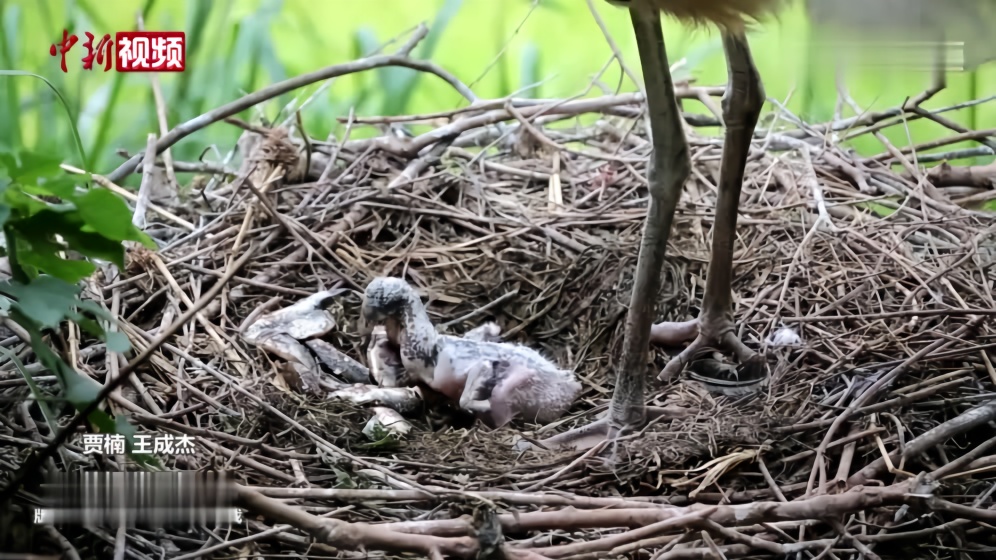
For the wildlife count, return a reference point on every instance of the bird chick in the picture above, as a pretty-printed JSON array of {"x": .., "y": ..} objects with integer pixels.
[
  {"x": 498, "y": 391},
  {"x": 393, "y": 302},
  {"x": 385, "y": 361},
  {"x": 443, "y": 362}
]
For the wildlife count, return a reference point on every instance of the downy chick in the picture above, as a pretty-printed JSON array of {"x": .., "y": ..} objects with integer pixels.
[
  {"x": 443, "y": 362},
  {"x": 498, "y": 391}
]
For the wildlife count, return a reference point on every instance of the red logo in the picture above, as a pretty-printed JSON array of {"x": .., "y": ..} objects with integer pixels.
[
  {"x": 102, "y": 52},
  {"x": 150, "y": 51},
  {"x": 63, "y": 47},
  {"x": 134, "y": 51}
]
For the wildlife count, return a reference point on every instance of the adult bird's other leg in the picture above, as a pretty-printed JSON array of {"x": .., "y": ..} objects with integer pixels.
[
  {"x": 669, "y": 167},
  {"x": 741, "y": 108}
]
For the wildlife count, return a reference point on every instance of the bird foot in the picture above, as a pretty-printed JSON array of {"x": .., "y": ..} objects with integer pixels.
[
  {"x": 671, "y": 333},
  {"x": 582, "y": 438},
  {"x": 720, "y": 377},
  {"x": 591, "y": 435}
]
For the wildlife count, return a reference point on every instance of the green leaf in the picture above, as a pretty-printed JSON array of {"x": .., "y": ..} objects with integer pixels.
[
  {"x": 81, "y": 391},
  {"x": 96, "y": 310},
  {"x": 343, "y": 479},
  {"x": 46, "y": 300},
  {"x": 29, "y": 166},
  {"x": 95, "y": 246},
  {"x": 21, "y": 203},
  {"x": 383, "y": 441},
  {"x": 121, "y": 426},
  {"x": 117, "y": 342},
  {"x": 40, "y": 396},
  {"x": 7, "y": 162},
  {"x": 39, "y": 231},
  {"x": 88, "y": 324},
  {"x": 51, "y": 263},
  {"x": 62, "y": 187},
  {"x": 108, "y": 215}
]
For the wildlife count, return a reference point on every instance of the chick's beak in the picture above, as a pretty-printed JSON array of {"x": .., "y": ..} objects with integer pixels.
[{"x": 368, "y": 318}]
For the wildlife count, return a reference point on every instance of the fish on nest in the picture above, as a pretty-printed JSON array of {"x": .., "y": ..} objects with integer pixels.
[{"x": 497, "y": 381}]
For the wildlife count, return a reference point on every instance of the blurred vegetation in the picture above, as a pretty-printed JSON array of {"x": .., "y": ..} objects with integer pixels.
[{"x": 552, "y": 48}]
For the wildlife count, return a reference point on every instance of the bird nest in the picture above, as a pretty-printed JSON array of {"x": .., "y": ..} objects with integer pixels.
[{"x": 532, "y": 218}]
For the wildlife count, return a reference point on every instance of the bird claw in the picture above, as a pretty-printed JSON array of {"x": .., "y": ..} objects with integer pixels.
[{"x": 753, "y": 368}]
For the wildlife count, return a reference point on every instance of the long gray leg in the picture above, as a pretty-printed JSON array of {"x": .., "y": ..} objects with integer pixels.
[
  {"x": 669, "y": 167},
  {"x": 741, "y": 108}
]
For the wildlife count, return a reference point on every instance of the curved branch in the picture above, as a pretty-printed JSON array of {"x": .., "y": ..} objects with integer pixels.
[{"x": 183, "y": 130}]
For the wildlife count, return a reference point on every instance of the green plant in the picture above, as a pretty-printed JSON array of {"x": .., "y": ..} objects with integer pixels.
[
  {"x": 398, "y": 84},
  {"x": 46, "y": 219},
  {"x": 530, "y": 75}
]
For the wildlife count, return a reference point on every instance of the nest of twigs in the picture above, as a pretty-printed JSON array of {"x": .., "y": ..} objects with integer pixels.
[{"x": 884, "y": 273}]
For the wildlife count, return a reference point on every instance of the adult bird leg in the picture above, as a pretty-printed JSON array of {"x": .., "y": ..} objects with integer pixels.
[
  {"x": 670, "y": 166},
  {"x": 741, "y": 108}
]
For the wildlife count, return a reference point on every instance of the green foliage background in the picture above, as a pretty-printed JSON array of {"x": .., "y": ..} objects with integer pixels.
[{"x": 236, "y": 46}]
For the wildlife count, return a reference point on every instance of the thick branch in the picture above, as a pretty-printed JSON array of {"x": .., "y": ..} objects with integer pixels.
[
  {"x": 933, "y": 437},
  {"x": 350, "y": 536},
  {"x": 978, "y": 176}
]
